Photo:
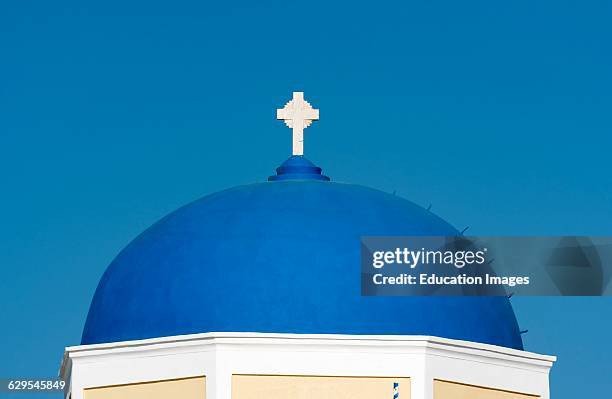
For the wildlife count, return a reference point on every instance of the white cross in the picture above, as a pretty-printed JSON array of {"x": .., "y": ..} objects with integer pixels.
[{"x": 298, "y": 115}]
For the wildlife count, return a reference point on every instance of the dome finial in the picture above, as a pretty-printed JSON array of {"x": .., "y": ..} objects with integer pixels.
[{"x": 298, "y": 114}]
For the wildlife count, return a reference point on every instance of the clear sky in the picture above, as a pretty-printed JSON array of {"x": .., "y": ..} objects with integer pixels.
[{"x": 112, "y": 115}]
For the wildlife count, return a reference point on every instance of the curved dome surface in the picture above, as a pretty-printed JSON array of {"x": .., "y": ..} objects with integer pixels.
[{"x": 280, "y": 256}]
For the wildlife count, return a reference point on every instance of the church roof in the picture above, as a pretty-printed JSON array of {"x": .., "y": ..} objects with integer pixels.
[{"x": 280, "y": 256}]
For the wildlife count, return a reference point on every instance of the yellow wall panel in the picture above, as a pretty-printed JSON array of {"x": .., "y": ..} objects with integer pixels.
[
  {"x": 315, "y": 387},
  {"x": 454, "y": 390},
  {"x": 184, "y": 388}
]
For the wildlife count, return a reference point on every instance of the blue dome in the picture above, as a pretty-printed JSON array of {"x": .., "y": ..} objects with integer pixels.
[{"x": 281, "y": 256}]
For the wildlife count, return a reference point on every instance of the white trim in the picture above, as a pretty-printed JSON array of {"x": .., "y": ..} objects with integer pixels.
[
  {"x": 272, "y": 338},
  {"x": 219, "y": 355}
]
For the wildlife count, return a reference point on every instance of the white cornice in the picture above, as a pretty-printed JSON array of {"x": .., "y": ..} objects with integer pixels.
[
  {"x": 435, "y": 346},
  {"x": 220, "y": 355}
]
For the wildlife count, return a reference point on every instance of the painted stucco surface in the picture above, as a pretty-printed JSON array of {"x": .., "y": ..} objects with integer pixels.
[
  {"x": 309, "y": 387},
  {"x": 186, "y": 388},
  {"x": 453, "y": 390}
]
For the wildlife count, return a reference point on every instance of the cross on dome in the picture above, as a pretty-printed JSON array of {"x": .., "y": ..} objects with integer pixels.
[{"x": 298, "y": 114}]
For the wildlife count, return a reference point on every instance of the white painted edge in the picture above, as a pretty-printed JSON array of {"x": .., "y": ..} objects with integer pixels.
[{"x": 246, "y": 338}]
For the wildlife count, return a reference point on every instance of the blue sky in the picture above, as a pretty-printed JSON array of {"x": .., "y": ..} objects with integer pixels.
[{"x": 112, "y": 115}]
